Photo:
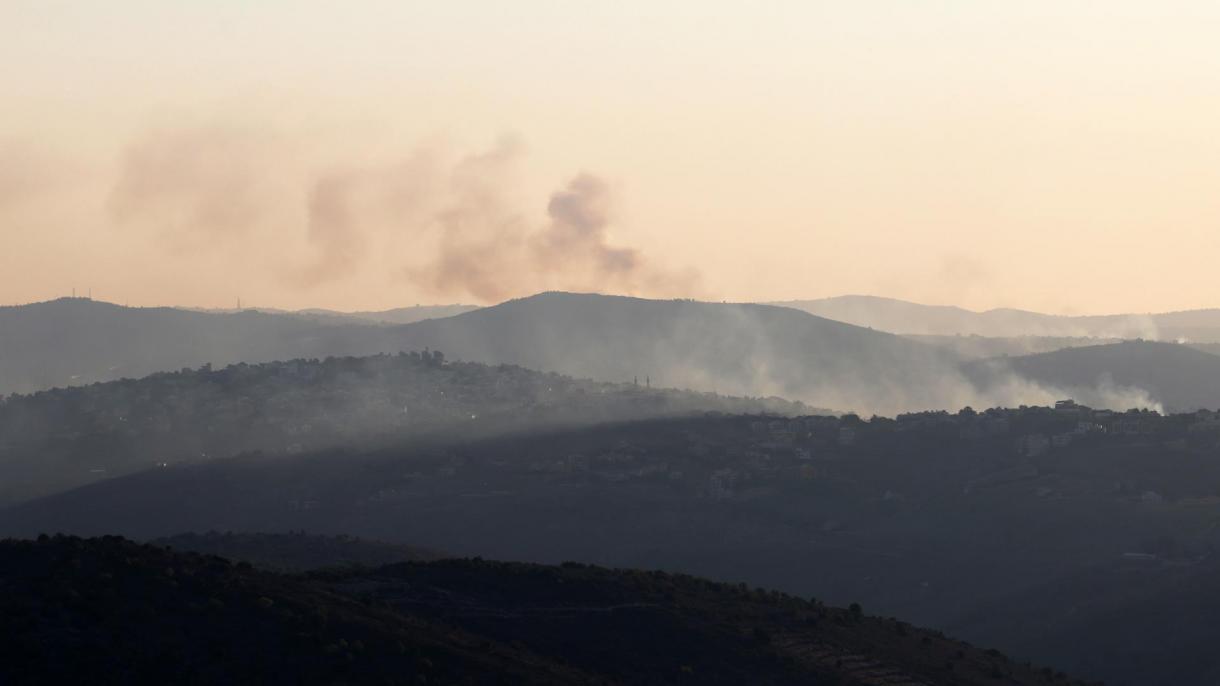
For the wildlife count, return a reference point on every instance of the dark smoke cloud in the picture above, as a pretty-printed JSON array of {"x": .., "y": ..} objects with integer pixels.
[
  {"x": 487, "y": 249},
  {"x": 454, "y": 228},
  {"x": 580, "y": 215}
]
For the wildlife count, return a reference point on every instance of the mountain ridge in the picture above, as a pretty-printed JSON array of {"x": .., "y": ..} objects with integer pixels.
[{"x": 906, "y": 317}]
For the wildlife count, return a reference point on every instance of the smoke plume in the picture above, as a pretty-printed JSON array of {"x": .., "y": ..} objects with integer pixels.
[
  {"x": 195, "y": 186},
  {"x": 450, "y": 226},
  {"x": 333, "y": 229},
  {"x": 486, "y": 248}
]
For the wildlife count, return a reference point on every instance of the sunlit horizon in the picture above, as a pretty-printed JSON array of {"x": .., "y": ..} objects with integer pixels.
[{"x": 1055, "y": 157}]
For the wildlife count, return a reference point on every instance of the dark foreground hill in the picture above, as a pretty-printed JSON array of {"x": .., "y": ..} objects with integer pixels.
[
  {"x": 59, "y": 439},
  {"x": 112, "y": 611},
  {"x": 1178, "y": 377},
  {"x": 1142, "y": 617},
  {"x": 296, "y": 551},
  {"x": 1014, "y": 529},
  {"x": 77, "y": 341}
]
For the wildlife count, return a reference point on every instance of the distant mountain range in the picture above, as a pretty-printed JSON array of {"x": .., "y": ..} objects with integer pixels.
[
  {"x": 974, "y": 347},
  {"x": 75, "y": 341},
  {"x": 902, "y": 317},
  {"x": 397, "y": 315},
  {"x": 737, "y": 349}
]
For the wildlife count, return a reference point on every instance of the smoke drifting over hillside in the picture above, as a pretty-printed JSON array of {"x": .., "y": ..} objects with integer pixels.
[{"x": 738, "y": 349}]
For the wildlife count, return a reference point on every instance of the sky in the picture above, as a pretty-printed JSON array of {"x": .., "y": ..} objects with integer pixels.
[{"x": 1061, "y": 156}]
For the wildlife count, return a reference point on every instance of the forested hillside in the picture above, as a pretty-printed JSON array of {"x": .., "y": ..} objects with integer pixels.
[
  {"x": 1009, "y": 528},
  {"x": 112, "y": 611},
  {"x": 58, "y": 439}
]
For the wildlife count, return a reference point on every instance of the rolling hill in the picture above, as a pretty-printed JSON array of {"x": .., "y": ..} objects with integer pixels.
[
  {"x": 931, "y": 517},
  {"x": 732, "y": 349},
  {"x": 296, "y": 551},
  {"x": 974, "y": 347},
  {"x": 1107, "y": 608},
  {"x": 77, "y": 341},
  {"x": 899, "y": 316},
  {"x": 112, "y": 611},
  {"x": 397, "y": 315},
  {"x": 737, "y": 349},
  {"x": 1178, "y": 377},
  {"x": 55, "y": 440}
]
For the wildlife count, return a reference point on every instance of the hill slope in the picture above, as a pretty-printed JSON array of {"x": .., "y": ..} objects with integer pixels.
[
  {"x": 974, "y": 347},
  {"x": 60, "y": 439},
  {"x": 735, "y": 349},
  {"x": 930, "y": 517},
  {"x": 111, "y": 611},
  {"x": 75, "y": 341},
  {"x": 899, "y": 316},
  {"x": 1178, "y": 377},
  {"x": 740, "y": 349},
  {"x": 398, "y": 315},
  {"x": 888, "y": 314},
  {"x": 296, "y": 551},
  {"x": 1108, "y": 609}
]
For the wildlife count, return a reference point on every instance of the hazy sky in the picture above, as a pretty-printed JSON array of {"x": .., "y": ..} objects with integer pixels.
[{"x": 1061, "y": 156}]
